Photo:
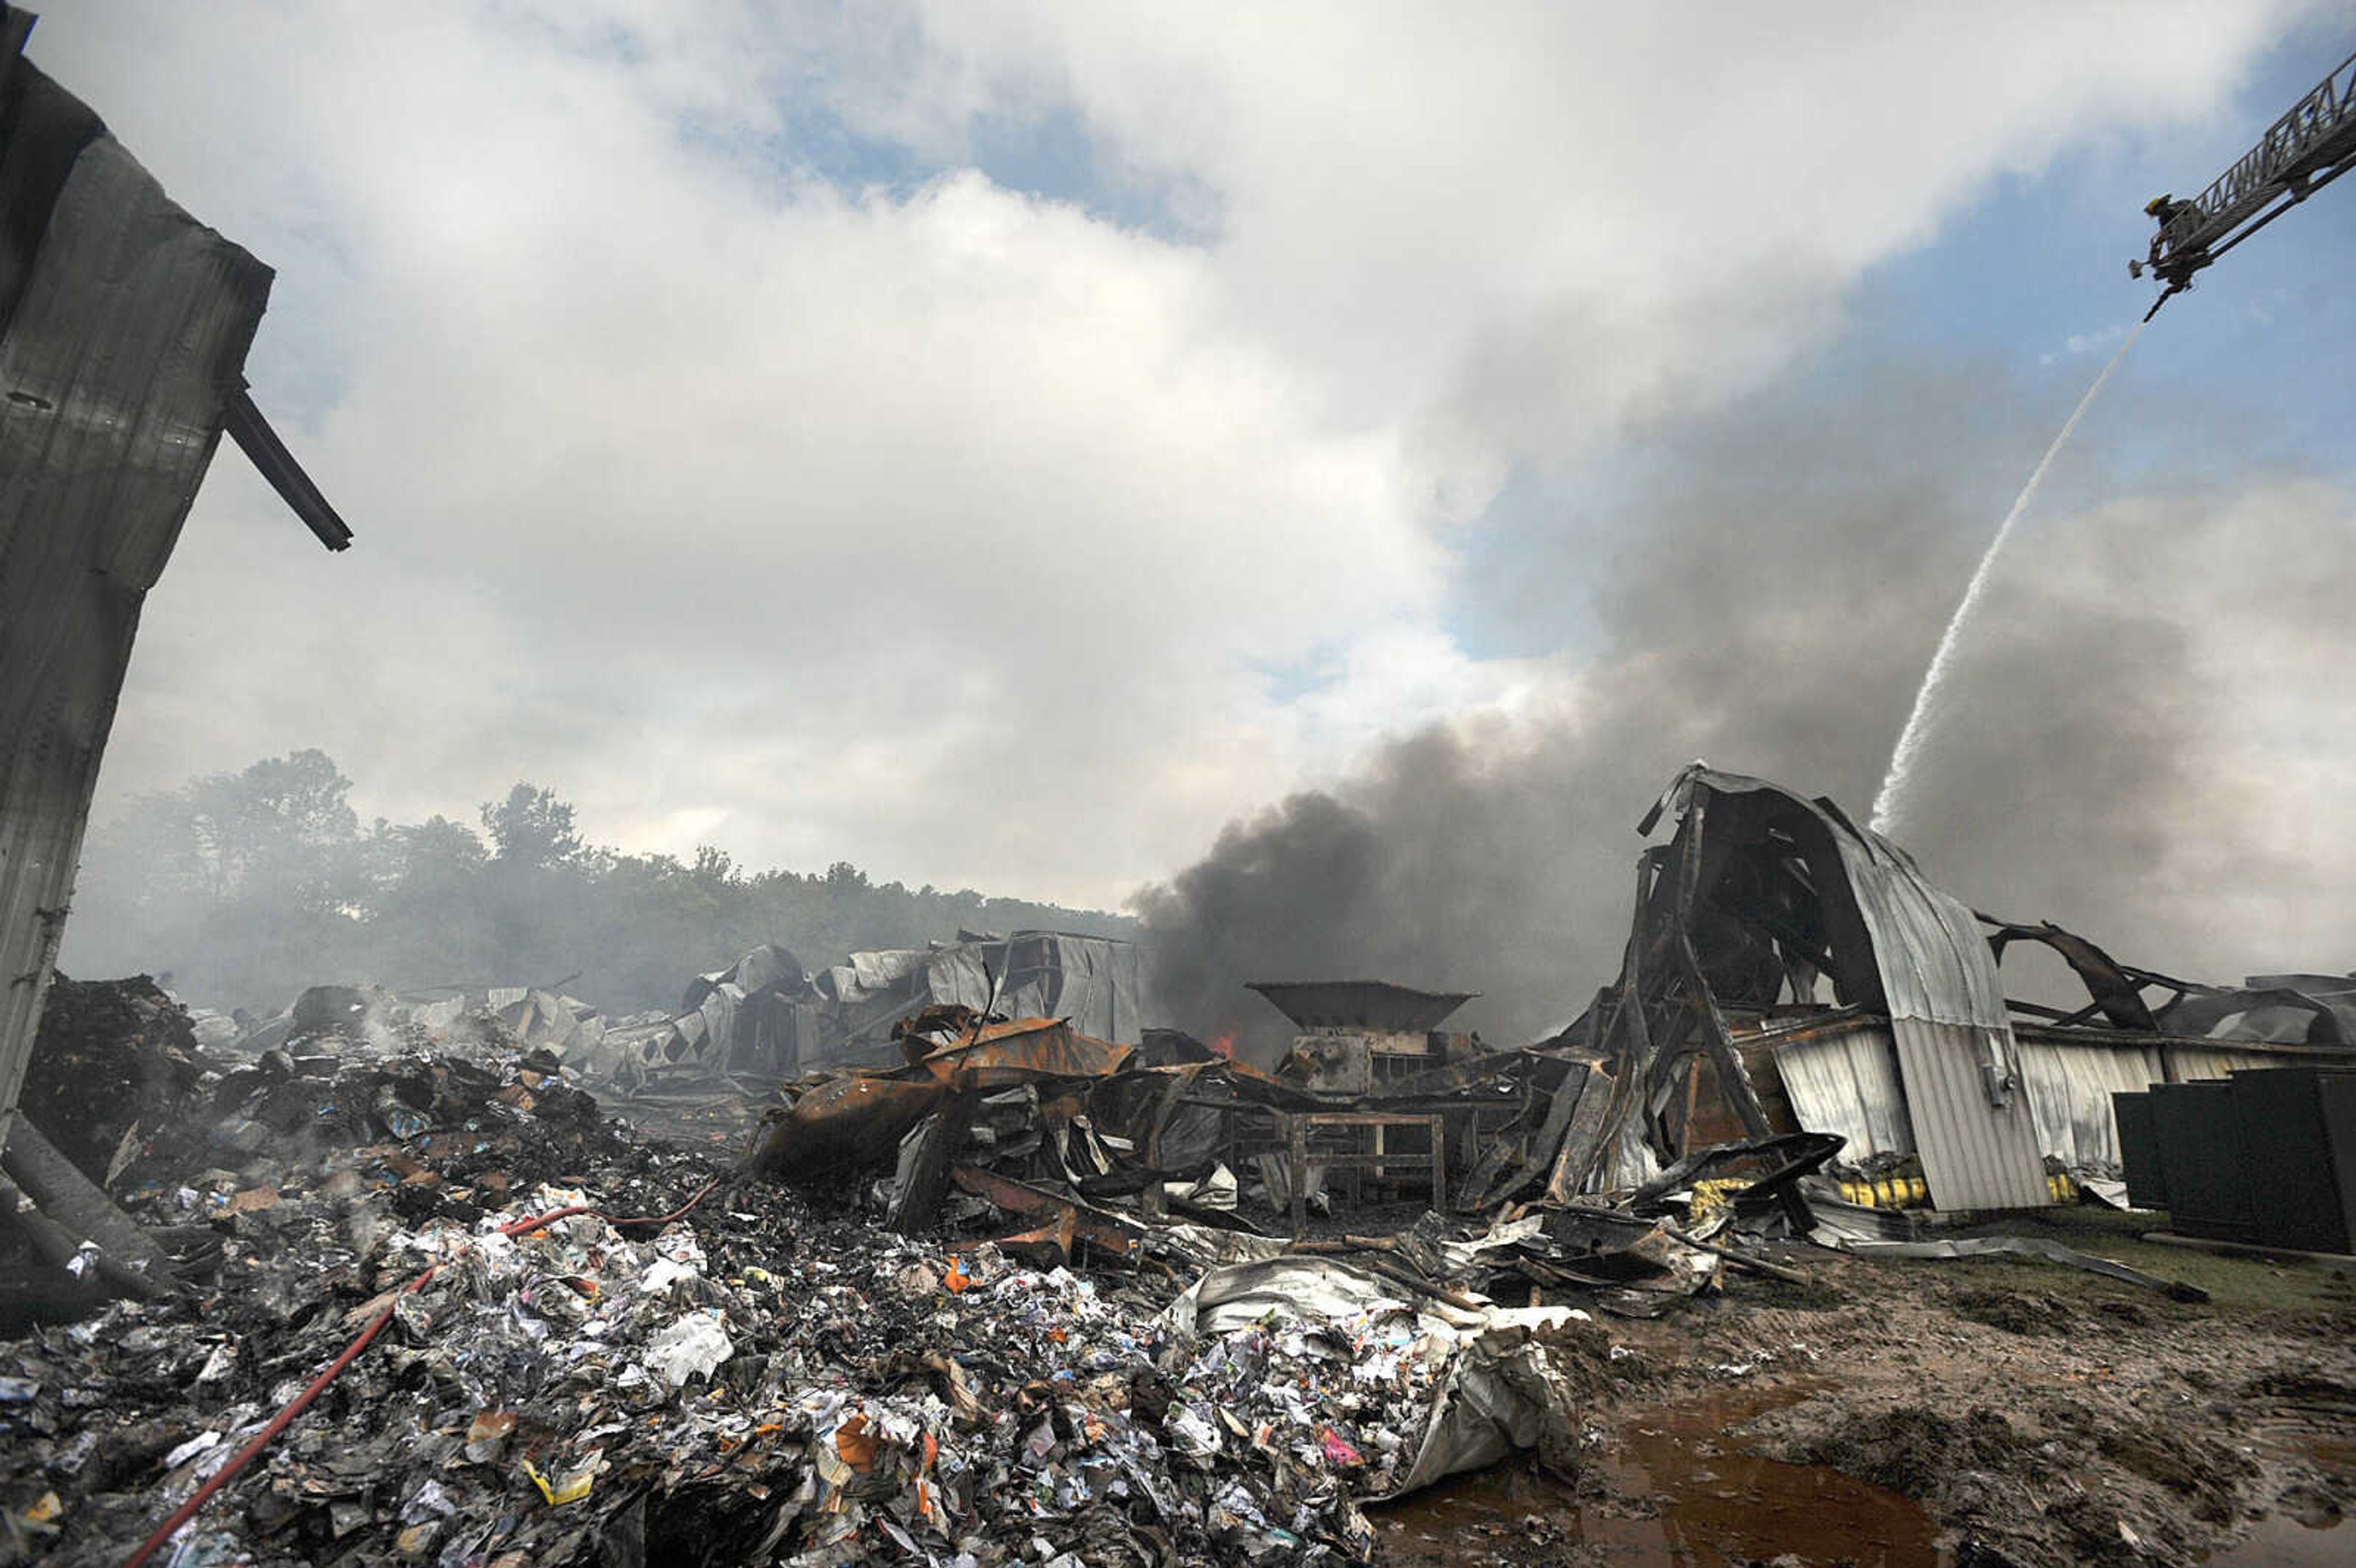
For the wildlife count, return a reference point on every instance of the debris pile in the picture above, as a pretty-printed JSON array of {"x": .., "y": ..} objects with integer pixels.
[
  {"x": 1008, "y": 1290},
  {"x": 114, "y": 1058},
  {"x": 766, "y": 1375},
  {"x": 765, "y": 1017}
]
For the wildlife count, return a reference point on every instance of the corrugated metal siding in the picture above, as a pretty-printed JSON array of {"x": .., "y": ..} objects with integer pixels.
[
  {"x": 1934, "y": 964},
  {"x": 123, "y": 325},
  {"x": 1974, "y": 1156},
  {"x": 1947, "y": 1013},
  {"x": 1846, "y": 1081},
  {"x": 1948, "y": 1018},
  {"x": 2069, "y": 1088},
  {"x": 2195, "y": 1062}
]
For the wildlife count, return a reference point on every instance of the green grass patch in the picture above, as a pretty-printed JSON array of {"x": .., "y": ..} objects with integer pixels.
[{"x": 2235, "y": 1284}]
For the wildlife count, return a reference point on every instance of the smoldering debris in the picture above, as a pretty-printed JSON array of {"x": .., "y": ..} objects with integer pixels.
[
  {"x": 111, "y": 1061},
  {"x": 1004, "y": 1289},
  {"x": 761, "y": 1374}
]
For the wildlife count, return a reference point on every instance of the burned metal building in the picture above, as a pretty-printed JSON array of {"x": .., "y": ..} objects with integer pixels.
[{"x": 1788, "y": 970}]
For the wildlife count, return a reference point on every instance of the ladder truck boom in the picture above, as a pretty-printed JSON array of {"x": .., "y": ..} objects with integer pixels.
[{"x": 2300, "y": 153}]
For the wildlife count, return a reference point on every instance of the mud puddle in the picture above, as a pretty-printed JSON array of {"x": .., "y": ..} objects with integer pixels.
[
  {"x": 2319, "y": 1535},
  {"x": 2282, "y": 1542},
  {"x": 1683, "y": 1496}
]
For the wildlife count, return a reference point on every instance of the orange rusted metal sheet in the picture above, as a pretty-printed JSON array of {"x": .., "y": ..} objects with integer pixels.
[
  {"x": 1098, "y": 1229},
  {"x": 1026, "y": 1050},
  {"x": 1049, "y": 1244},
  {"x": 846, "y": 1122}
]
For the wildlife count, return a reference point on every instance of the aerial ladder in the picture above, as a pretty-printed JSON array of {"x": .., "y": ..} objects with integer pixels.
[{"x": 2303, "y": 151}]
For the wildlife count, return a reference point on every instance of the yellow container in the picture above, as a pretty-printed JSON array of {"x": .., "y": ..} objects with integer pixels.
[{"x": 1887, "y": 1193}]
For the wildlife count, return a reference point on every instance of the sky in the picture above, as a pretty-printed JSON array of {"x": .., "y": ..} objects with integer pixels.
[{"x": 1039, "y": 447}]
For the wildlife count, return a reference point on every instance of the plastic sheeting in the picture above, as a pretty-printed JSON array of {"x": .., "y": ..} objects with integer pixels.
[{"x": 1499, "y": 1387}]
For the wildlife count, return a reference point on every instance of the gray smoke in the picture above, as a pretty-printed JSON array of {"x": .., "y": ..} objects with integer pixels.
[{"x": 1769, "y": 596}]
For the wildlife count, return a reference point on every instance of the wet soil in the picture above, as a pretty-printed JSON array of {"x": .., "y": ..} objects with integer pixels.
[
  {"x": 1964, "y": 1414},
  {"x": 1667, "y": 1488}
]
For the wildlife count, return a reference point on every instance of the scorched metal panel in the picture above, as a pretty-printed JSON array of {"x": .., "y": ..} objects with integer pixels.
[
  {"x": 2068, "y": 1090},
  {"x": 1976, "y": 1153},
  {"x": 1846, "y": 1081},
  {"x": 123, "y": 328}
]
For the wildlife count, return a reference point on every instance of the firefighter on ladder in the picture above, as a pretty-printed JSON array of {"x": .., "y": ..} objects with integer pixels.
[{"x": 2162, "y": 209}]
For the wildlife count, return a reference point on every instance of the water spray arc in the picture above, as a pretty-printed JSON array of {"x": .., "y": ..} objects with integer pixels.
[
  {"x": 2300, "y": 153},
  {"x": 1889, "y": 803}
]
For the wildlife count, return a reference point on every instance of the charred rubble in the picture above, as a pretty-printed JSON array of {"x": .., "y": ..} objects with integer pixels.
[
  {"x": 939, "y": 1254},
  {"x": 773, "y": 1371},
  {"x": 989, "y": 1286}
]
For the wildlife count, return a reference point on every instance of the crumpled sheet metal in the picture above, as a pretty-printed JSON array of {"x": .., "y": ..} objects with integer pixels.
[
  {"x": 1113, "y": 1233},
  {"x": 2312, "y": 1009},
  {"x": 2112, "y": 993},
  {"x": 1025, "y": 1050},
  {"x": 1506, "y": 1392},
  {"x": 843, "y": 1123}
]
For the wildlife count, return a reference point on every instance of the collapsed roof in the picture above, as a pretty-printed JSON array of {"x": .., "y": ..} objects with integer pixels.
[
  {"x": 767, "y": 1015},
  {"x": 1764, "y": 899}
]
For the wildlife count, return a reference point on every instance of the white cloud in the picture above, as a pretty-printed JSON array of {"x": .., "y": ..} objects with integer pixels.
[{"x": 948, "y": 529}]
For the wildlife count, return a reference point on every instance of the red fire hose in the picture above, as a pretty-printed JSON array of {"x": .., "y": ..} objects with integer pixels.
[{"x": 301, "y": 1401}]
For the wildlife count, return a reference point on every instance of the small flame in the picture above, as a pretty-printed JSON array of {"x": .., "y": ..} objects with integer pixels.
[{"x": 1224, "y": 1045}]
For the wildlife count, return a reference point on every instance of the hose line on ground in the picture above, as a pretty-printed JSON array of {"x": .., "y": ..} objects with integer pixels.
[{"x": 301, "y": 1401}]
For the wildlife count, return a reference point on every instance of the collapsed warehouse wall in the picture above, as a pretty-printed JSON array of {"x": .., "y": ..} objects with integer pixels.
[
  {"x": 1759, "y": 894},
  {"x": 125, "y": 324},
  {"x": 766, "y": 1016},
  {"x": 124, "y": 329}
]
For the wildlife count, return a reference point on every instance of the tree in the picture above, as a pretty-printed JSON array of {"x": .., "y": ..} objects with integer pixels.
[
  {"x": 250, "y": 886},
  {"x": 531, "y": 829},
  {"x": 426, "y": 919},
  {"x": 281, "y": 829},
  {"x": 439, "y": 849},
  {"x": 240, "y": 883},
  {"x": 713, "y": 866}
]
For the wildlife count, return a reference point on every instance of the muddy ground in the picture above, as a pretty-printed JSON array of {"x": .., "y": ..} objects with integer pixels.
[{"x": 1975, "y": 1413}]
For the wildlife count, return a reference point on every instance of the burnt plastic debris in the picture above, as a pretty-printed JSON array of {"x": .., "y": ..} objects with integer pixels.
[{"x": 775, "y": 1375}]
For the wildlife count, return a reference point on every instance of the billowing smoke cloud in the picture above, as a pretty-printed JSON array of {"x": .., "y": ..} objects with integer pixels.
[
  {"x": 2123, "y": 754},
  {"x": 864, "y": 409}
]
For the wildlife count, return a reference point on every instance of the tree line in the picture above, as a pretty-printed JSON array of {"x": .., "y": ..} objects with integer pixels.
[{"x": 240, "y": 889}]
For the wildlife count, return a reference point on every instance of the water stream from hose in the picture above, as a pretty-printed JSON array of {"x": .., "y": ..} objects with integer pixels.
[{"x": 1888, "y": 804}]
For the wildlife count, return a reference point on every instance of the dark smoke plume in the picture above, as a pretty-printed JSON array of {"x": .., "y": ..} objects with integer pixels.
[{"x": 1770, "y": 596}]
